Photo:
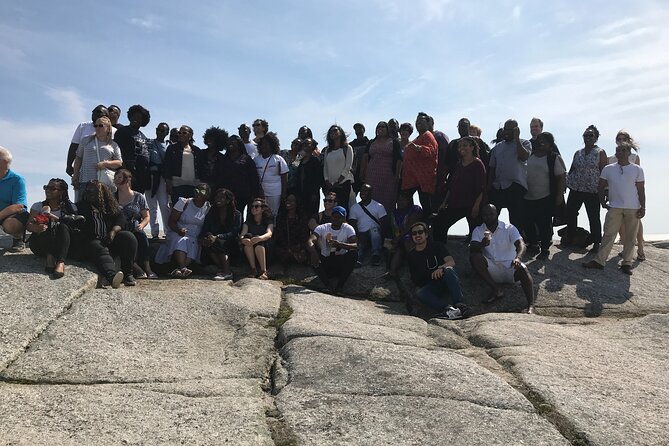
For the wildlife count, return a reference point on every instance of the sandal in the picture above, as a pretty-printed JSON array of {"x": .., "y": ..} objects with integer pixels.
[
  {"x": 640, "y": 257},
  {"x": 185, "y": 272},
  {"x": 152, "y": 276},
  {"x": 176, "y": 273},
  {"x": 263, "y": 276}
]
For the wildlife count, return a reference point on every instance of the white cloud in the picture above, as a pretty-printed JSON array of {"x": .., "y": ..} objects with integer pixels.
[
  {"x": 517, "y": 10},
  {"x": 70, "y": 102},
  {"x": 149, "y": 23}
]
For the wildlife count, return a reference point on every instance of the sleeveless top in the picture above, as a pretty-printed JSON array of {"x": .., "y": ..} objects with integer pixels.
[{"x": 584, "y": 176}]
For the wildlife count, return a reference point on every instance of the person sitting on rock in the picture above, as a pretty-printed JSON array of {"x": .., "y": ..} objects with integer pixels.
[
  {"x": 432, "y": 270},
  {"x": 495, "y": 253},
  {"x": 333, "y": 250},
  {"x": 371, "y": 222},
  {"x": 13, "y": 202}
]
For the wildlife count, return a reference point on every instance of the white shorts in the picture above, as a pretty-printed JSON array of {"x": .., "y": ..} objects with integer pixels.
[{"x": 501, "y": 272}]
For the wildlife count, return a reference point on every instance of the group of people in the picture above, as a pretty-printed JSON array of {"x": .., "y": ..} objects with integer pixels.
[{"x": 245, "y": 197}]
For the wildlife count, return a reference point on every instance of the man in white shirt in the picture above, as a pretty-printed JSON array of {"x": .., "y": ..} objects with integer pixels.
[
  {"x": 332, "y": 248},
  {"x": 622, "y": 192},
  {"x": 244, "y": 132},
  {"x": 371, "y": 222},
  {"x": 495, "y": 253}
]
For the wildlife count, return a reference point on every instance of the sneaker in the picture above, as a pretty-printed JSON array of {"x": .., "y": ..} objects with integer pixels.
[
  {"x": 129, "y": 280},
  {"x": 376, "y": 260},
  {"x": 219, "y": 276},
  {"x": 451, "y": 314},
  {"x": 227, "y": 276},
  {"x": 116, "y": 280},
  {"x": 464, "y": 310},
  {"x": 626, "y": 269},
  {"x": 18, "y": 245}
]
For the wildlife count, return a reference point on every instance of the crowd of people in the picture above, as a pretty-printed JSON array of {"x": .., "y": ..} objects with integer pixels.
[{"x": 244, "y": 198}]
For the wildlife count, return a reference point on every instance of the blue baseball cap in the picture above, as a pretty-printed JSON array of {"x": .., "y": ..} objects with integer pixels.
[{"x": 339, "y": 210}]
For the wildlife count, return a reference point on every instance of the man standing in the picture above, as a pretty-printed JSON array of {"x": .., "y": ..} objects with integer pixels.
[
  {"x": 13, "y": 202},
  {"x": 536, "y": 127},
  {"x": 359, "y": 144},
  {"x": 507, "y": 175},
  {"x": 495, "y": 253},
  {"x": 625, "y": 202},
  {"x": 244, "y": 132},
  {"x": 432, "y": 270},
  {"x": 156, "y": 195},
  {"x": 114, "y": 115},
  {"x": 335, "y": 254},
  {"x": 83, "y": 130},
  {"x": 371, "y": 222}
]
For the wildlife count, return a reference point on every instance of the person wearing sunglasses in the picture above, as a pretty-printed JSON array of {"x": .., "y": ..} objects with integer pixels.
[
  {"x": 181, "y": 166},
  {"x": 333, "y": 250},
  {"x": 622, "y": 193},
  {"x": 184, "y": 228},
  {"x": 256, "y": 232},
  {"x": 48, "y": 237},
  {"x": 82, "y": 131},
  {"x": 432, "y": 271},
  {"x": 97, "y": 157},
  {"x": 324, "y": 216},
  {"x": 13, "y": 202},
  {"x": 582, "y": 181}
]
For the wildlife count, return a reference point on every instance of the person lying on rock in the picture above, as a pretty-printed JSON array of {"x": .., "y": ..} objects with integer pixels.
[
  {"x": 495, "y": 252},
  {"x": 333, "y": 248},
  {"x": 432, "y": 270}
]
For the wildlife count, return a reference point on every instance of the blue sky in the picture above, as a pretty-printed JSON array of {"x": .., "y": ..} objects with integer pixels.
[{"x": 321, "y": 62}]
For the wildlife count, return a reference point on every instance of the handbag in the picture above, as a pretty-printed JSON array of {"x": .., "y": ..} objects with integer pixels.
[{"x": 105, "y": 176}]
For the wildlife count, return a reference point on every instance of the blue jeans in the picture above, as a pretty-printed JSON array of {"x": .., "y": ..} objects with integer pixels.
[
  {"x": 435, "y": 293},
  {"x": 371, "y": 238}
]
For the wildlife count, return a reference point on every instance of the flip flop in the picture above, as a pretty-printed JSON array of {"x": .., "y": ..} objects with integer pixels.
[
  {"x": 492, "y": 297},
  {"x": 176, "y": 273}
]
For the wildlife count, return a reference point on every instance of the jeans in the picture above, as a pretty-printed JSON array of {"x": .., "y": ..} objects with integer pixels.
[
  {"x": 435, "y": 293},
  {"x": 371, "y": 238},
  {"x": 591, "y": 201}
]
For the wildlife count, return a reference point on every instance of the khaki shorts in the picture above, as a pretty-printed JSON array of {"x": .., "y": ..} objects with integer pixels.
[{"x": 501, "y": 272}]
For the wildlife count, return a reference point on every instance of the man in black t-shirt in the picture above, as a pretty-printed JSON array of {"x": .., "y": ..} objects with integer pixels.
[{"x": 433, "y": 272}]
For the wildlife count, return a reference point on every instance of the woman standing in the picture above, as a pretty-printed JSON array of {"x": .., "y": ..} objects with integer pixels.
[
  {"x": 582, "y": 181},
  {"x": 184, "y": 227},
  {"x": 209, "y": 163},
  {"x": 136, "y": 212},
  {"x": 309, "y": 178},
  {"x": 337, "y": 163},
  {"x": 545, "y": 192},
  {"x": 272, "y": 171},
  {"x": 419, "y": 172},
  {"x": 625, "y": 138},
  {"x": 50, "y": 237},
  {"x": 256, "y": 232},
  {"x": 382, "y": 167},
  {"x": 102, "y": 235},
  {"x": 406, "y": 129},
  {"x": 220, "y": 233},
  {"x": 96, "y": 153},
  {"x": 181, "y": 166},
  {"x": 239, "y": 174},
  {"x": 466, "y": 188},
  {"x": 135, "y": 147}
]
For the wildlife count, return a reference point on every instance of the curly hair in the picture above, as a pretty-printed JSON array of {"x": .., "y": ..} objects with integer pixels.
[
  {"x": 146, "y": 116},
  {"x": 263, "y": 123},
  {"x": 473, "y": 142},
  {"x": 593, "y": 129},
  {"x": 272, "y": 140},
  {"x": 267, "y": 215},
  {"x": 217, "y": 136},
  {"x": 106, "y": 203}
]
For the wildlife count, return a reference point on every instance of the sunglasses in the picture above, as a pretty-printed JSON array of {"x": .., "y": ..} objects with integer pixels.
[
  {"x": 419, "y": 232},
  {"x": 98, "y": 126},
  {"x": 50, "y": 188}
]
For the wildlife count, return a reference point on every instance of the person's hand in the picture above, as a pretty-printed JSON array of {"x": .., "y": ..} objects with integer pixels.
[
  {"x": 69, "y": 170},
  {"x": 438, "y": 273},
  {"x": 255, "y": 240},
  {"x": 182, "y": 232},
  {"x": 39, "y": 228},
  {"x": 246, "y": 242},
  {"x": 101, "y": 165},
  {"x": 641, "y": 212},
  {"x": 516, "y": 263},
  {"x": 516, "y": 134}
]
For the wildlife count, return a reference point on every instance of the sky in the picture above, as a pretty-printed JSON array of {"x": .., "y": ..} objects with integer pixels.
[{"x": 322, "y": 62}]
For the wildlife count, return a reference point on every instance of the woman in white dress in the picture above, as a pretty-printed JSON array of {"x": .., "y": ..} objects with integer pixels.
[{"x": 184, "y": 227}]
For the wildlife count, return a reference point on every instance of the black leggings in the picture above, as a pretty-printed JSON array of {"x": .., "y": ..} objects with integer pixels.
[
  {"x": 539, "y": 218},
  {"x": 54, "y": 241},
  {"x": 124, "y": 246},
  {"x": 591, "y": 200},
  {"x": 447, "y": 218}
]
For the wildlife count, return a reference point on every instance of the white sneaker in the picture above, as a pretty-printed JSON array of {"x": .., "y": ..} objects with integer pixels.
[{"x": 451, "y": 314}]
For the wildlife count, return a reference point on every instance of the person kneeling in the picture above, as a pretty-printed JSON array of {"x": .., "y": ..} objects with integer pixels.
[
  {"x": 495, "y": 253},
  {"x": 337, "y": 250},
  {"x": 433, "y": 272}
]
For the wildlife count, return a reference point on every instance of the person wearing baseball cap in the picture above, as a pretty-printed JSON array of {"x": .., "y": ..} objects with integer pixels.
[{"x": 333, "y": 250}]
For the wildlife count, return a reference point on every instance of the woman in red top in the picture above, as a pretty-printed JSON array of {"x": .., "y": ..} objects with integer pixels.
[
  {"x": 465, "y": 191},
  {"x": 419, "y": 170}
]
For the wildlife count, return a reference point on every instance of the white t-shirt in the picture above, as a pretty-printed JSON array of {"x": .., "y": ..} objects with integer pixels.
[
  {"x": 39, "y": 207},
  {"x": 502, "y": 247},
  {"x": 364, "y": 222},
  {"x": 622, "y": 185},
  {"x": 342, "y": 234},
  {"x": 251, "y": 149},
  {"x": 85, "y": 129},
  {"x": 271, "y": 175},
  {"x": 538, "y": 183}
]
